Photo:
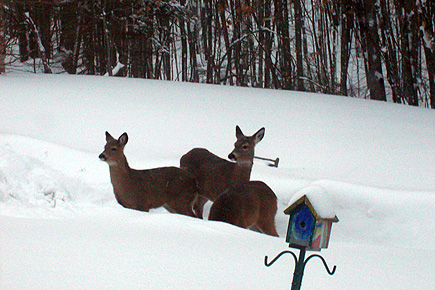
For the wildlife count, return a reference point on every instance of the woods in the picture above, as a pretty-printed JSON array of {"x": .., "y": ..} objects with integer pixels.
[{"x": 377, "y": 49}]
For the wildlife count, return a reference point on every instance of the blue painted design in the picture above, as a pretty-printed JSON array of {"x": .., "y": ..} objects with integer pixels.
[{"x": 302, "y": 224}]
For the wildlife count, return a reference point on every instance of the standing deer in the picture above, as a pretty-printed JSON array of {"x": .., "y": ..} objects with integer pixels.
[
  {"x": 214, "y": 174},
  {"x": 170, "y": 187},
  {"x": 248, "y": 205}
]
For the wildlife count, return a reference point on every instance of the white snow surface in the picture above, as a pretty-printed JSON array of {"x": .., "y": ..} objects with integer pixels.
[
  {"x": 319, "y": 199},
  {"x": 61, "y": 227}
]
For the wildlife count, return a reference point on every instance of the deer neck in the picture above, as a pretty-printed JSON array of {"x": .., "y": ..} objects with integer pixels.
[
  {"x": 118, "y": 172},
  {"x": 242, "y": 172}
]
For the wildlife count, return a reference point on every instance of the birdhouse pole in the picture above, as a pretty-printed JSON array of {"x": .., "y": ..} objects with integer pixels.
[{"x": 299, "y": 270}]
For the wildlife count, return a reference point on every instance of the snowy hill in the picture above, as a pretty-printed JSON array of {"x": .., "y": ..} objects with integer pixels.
[{"x": 61, "y": 227}]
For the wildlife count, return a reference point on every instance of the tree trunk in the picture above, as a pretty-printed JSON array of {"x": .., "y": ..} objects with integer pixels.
[
  {"x": 428, "y": 29},
  {"x": 207, "y": 35},
  {"x": 236, "y": 41},
  {"x": 430, "y": 63},
  {"x": 221, "y": 7},
  {"x": 368, "y": 25},
  {"x": 42, "y": 18},
  {"x": 347, "y": 20},
  {"x": 390, "y": 54},
  {"x": 409, "y": 48},
  {"x": 22, "y": 32},
  {"x": 183, "y": 50},
  {"x": 2, "y": 40},
  {"x": 260, "y": 23},
  {"x": 107, "y": 43},
  {"x": 267, "y": 45},
  {"x": 165, "y": 42},
  {"x": 299, "y": 24},
  {"x": 281, "y": 18},
  {"x": 70, "y": 35},
  {"x": 192, "y": 35}
]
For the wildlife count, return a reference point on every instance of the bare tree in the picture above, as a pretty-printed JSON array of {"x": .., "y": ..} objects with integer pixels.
[
  {"x": 370, "y": 42},
  {"x": 428, "y": 28},
  {"x": 390, "y": 55},
  {"x": 2, "y": 39},
  {"x": 299, "y": 44},
  {"x": 409, "y": 40},
  {"x": 299, "y": 24},
  {"x": 347, "y": 25}
]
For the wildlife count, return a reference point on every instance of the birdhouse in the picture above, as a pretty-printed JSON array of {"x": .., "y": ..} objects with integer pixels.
[{"x": 310, "y": 221}]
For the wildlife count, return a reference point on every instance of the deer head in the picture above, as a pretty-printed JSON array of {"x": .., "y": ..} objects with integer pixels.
[
  {"x": 114, "y": 149},
  {"x": 243, "y": 152}
]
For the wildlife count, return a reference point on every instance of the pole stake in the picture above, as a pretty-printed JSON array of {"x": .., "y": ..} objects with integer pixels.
[{"x": 274, "y": 161}]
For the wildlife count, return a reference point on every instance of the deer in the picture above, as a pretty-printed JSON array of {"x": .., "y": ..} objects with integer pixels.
[
  {"x": 214, "y": 174},
  {"x": 250, "y": 205},
  {"x": 171, "y": 187}
]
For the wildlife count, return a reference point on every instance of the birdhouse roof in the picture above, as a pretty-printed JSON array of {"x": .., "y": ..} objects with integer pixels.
[{"x": 317, "y": 199}]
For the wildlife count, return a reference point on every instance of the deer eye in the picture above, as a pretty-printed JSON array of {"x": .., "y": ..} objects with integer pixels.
[
  {"x": 113, "y": 149},
  {"x": 245, "y": 147}
]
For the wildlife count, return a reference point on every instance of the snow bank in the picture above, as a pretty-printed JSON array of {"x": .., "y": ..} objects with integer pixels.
[
  {"x": 319, "y": 199},
  {"x": 61, "y": 227}
]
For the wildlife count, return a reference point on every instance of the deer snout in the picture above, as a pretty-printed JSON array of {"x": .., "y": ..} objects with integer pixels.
[
  {"x": 232, "y": 157},
  {"x": 102, "y": 157}
]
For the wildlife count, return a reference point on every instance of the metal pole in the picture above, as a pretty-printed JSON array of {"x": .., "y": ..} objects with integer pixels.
[
  {"x": 274, "y": 163},
  {"x": 299, "y": 270},
  {"x": 299, "y": 265}
]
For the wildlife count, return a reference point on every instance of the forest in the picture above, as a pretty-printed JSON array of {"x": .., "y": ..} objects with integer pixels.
[{"x": 377, "y": 49}]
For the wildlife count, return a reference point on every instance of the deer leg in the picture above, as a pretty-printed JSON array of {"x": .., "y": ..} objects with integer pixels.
[
  {"x": 198, "y": 205},
  {"x": 267, "y": 226},
  {"x": 255, "y": 228},
  {"x": 180, "y": 206}
]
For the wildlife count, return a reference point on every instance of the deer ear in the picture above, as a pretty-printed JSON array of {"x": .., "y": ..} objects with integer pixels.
[
  {"x": 123, "y": 139},
  {"x": 109, "y": 137},
  {"x": 239, "y": 133},
  {"x": 259, "y": 135}
]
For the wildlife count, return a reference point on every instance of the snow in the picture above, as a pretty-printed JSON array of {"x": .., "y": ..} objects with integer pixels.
[
  {"x": 319, "y": 199},
  {"x": 61, "y": 228}
]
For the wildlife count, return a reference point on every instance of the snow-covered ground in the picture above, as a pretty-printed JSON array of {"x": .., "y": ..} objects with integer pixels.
[{"x": 61, "y": 228}]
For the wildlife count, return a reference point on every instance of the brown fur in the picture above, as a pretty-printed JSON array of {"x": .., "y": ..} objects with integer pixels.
[
  {"x": 214, "y": 174},
  {"x": 249, "y": 205},
  {"x": 170, "y": 187}
]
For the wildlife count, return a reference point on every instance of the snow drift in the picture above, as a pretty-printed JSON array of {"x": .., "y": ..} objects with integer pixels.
[{"x": 61, "y": 227}]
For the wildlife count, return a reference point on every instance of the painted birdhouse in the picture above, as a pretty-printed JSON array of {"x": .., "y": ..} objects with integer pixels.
[{"x": 311, "y": 217}]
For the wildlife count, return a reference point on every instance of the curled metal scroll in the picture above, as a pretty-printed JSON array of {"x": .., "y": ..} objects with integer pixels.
[
  {"x": 279, "y": 256},
  {"x": 268, "y": 264},
  {"x": 324, "y": 263}
]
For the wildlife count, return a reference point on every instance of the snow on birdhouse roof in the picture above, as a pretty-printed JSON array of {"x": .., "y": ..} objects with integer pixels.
[{"x": 318, "y": 198}]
